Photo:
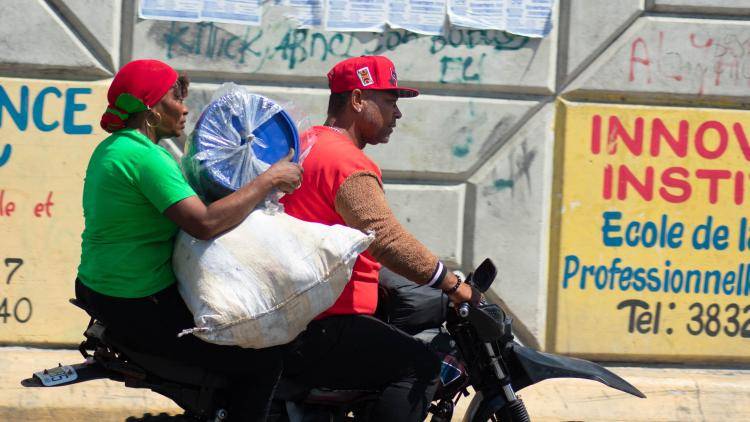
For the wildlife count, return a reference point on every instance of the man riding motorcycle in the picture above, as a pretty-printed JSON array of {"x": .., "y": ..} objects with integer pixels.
[{"x": 346, "y": 347}]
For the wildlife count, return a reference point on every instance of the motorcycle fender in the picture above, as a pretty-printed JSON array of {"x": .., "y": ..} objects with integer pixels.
[{"x": 539, "y": 366}]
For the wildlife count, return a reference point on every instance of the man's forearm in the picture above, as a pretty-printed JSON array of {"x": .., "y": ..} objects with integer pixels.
[{"x": 361, "y": 203}]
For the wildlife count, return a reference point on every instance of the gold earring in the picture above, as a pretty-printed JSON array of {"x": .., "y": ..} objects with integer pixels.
[{"x": 149, "y": 124}]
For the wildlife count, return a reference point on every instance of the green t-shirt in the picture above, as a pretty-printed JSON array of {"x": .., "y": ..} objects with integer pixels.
[{"x": 127, "y": 244}]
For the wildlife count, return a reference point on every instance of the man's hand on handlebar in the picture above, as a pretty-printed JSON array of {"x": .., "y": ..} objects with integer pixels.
[{"x": 464, "y": 293}]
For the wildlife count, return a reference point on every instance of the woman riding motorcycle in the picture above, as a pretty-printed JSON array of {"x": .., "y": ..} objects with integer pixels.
[{"x": 135, "y": 199}]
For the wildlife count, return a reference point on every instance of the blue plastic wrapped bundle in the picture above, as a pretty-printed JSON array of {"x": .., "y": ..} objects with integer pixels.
[{"x": 237, "y": 137}]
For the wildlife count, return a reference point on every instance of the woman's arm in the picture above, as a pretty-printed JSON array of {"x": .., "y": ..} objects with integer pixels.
[{"x": 206, "y": 222}]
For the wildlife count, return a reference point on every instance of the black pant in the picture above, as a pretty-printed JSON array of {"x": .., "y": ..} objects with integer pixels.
[
  {"x": 150, "y": 325},
  {"x": 362, "y": 352}
]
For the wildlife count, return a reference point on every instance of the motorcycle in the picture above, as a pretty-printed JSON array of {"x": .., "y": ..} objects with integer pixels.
[
  {"x": 478, "y": 350},
  {"x": 476, "y": 343}
]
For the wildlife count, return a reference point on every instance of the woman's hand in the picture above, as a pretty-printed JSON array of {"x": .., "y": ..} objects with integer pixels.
[
  {"x": 285, "y": 175},
  {"x": 207, "y": 222}
]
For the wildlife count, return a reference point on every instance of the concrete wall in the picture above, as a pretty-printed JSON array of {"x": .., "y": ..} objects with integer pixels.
[{"x": 471, "y": 168}]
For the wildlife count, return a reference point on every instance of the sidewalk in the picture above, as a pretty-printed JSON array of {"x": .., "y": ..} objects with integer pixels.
[{"x": 673, "y": 395}]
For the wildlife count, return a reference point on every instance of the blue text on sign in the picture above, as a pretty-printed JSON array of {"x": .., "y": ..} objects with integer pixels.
[{"x": 19, "y": 113}]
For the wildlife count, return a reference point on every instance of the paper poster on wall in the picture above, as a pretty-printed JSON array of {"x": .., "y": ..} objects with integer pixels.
[
  {"x": 356, "y": 15},
  {"x": 47, "y": 133},
  {"x": 308, "y": 13},
  {"x": 479, "y": 14},
  {"x": 171, "y": 10},
  {"x": 654, "y": 234},
  {"x": 246, "y": 12},
  {"x": 425, "y": 17},
  {"x": 531, "y": 18}
]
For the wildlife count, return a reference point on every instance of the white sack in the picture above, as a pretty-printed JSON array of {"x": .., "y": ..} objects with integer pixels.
[{"x": 260, "y": 284}]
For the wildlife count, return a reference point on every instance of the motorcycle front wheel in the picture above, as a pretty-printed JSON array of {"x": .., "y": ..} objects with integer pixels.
[{"x": 495, "y": 409}]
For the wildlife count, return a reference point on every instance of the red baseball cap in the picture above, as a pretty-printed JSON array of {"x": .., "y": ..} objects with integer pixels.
[{"x": 367, "y": 72}]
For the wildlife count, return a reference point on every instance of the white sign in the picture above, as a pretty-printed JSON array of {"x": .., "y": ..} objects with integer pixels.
[
  {"x": 246, "y": 12},
  {"x": 425, "y": 17},
  {"x": 356, "y": 15},
  {"x": 531, "y": 18},
  {"x": 308, "y": 13}
]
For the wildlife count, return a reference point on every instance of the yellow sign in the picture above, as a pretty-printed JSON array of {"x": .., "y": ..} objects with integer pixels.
[
  {"x": 48, "y": 130},
  {"x": 653, "y": 231}
]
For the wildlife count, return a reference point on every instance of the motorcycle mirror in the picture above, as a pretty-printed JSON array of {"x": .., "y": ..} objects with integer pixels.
[{"x": 484, "y": 275}]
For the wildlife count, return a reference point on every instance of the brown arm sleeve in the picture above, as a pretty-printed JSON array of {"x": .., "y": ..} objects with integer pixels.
[{"x": 361, "y": 202}]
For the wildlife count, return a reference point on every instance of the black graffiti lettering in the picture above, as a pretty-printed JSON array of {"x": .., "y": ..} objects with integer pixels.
[
  {"x": 211, "y": 44},
  {"x": 173, "y": 39},
  {"x": 393, "y": 40},
  {"x": 438, "y": 44},
  {"x": 339, "y": 38},
  {"x": 226, "y": 47},
  {"x": 349, "y": 46},
  {"x": 316, "y": 39},
  {"x": 296, "y": 46},
  {"x": 197, "y": 41},
  {"x": 247, "y": 46},
  {"x": 292, "y": 47}
]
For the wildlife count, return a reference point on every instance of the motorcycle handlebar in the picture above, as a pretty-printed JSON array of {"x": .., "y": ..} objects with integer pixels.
[{"x": 463, "y": 310}]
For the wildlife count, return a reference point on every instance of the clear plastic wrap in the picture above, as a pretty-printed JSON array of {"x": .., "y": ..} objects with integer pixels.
[{"x": 237, "y": 137}]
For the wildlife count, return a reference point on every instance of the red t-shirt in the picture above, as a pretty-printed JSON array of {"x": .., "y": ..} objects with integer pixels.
[{"x": 332, "y": 158}]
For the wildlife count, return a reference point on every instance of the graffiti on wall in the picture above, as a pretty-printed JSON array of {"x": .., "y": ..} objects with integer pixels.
[
  {"x": 517, "y": 169},
  {"x": 458, "y": 56},
  {"x": 696, "y": 59},
  {"x": 47, "y": 133},
  {"x": 654, "y": 237}
]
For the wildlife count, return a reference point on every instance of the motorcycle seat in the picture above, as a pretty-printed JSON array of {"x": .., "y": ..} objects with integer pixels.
[
  {"x": 158, "y": 366},
  {"x": 174, "y": 371}
]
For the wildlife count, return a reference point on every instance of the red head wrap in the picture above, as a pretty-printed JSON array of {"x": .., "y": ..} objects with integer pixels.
[{"x": 138, "y": 86}]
